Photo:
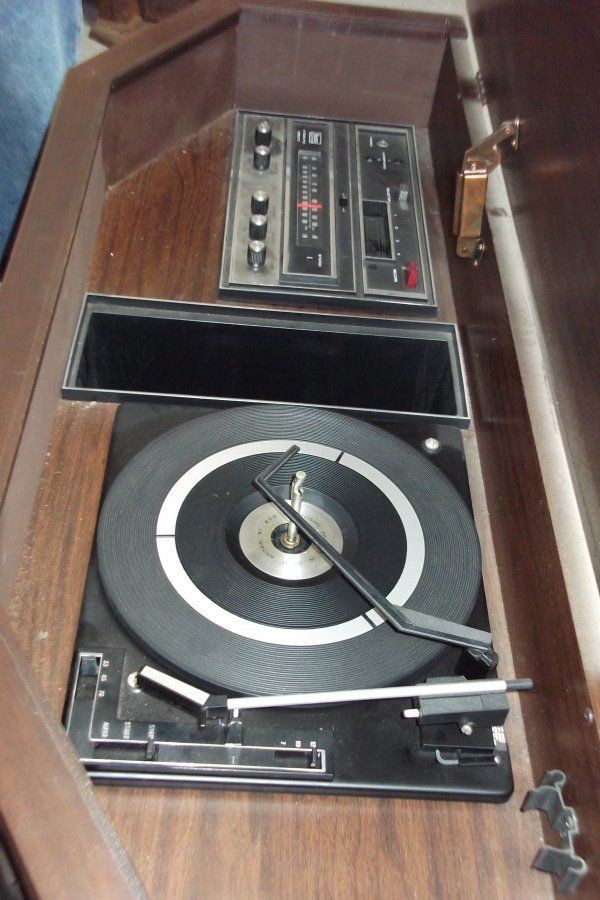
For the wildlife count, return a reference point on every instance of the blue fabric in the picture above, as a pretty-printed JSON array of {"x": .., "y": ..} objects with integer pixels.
[{"x": 39, "y": 40}]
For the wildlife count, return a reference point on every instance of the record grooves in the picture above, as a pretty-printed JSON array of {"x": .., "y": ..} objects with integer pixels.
[{"x": 192, "y": 601}]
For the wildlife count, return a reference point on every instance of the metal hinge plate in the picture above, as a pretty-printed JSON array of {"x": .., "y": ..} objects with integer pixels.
[{"x": 471, "y": 188}]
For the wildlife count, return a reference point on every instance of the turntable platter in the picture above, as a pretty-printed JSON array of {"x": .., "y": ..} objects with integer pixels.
[{"x": 192, "y": 560}]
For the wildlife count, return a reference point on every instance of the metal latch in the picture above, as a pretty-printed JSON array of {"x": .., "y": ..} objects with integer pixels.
[{"x": 471, "y": 188}]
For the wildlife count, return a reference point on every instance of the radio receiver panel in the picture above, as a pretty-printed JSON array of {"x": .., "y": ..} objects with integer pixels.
[{"x": 329, "y": 210}]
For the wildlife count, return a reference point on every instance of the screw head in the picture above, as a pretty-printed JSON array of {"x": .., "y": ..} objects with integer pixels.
[
  {"x": 479, "y": 251},
  {"x": 588, "y": 715},
  {"x": 431, "y": 445},
  {"x": 467, "y": 728}
]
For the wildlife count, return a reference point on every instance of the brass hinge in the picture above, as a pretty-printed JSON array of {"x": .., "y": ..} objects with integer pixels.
[{"x": 471, "y": 188}]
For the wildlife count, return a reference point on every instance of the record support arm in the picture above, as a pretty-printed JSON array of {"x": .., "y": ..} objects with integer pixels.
[
  {"x": 434, "y": 689},
  {"x": 406, "y": 621}
]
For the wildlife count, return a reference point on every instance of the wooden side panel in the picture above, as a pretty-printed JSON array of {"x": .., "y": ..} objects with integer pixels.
[
  {"x": 177, "y": 201},
  {"x": 158, "y": 107},
  {"x": 15, "y": 511},
  {"x": 45, "y": 604},
  {"x": 36, "y": 265},
  {"x": 541, "y": 60},
  {"x": 339, "y": 67},
  {"x": 542, "y": 633}
]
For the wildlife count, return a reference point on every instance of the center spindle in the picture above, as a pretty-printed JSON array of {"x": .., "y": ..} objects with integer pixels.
[{"x": 291, "y": 538}]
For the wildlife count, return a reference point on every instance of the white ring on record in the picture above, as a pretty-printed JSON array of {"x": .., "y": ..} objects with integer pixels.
[{"x": 271, "y": 634}]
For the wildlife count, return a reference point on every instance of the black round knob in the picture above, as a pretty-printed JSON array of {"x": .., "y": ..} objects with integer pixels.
[
  {"x": 262, "y": 135},
  {"x": 257, "y": 254},
  {"x": 258, "y": 227},
  {"x": 259, "y": 203},
  {"x": 262, "y": 157}
]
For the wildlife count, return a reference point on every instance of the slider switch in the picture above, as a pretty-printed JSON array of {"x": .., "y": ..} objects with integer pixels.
[{"x": 411, "y": 275}]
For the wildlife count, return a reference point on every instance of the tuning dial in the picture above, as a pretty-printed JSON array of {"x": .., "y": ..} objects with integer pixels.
[
  {"x": 258, "y": 227},
  {"x": 262, "y": 135},
  {"x": 262, "y": 157},
  {"x": 259, "y": 203},
  {"x": 257, "y": 253}
]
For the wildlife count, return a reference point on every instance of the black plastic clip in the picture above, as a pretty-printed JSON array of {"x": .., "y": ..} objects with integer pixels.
[
  {"x": 477, "y": 663},
  {"x": 561, "y": 861},
  {"x": 214, "y": 719}
]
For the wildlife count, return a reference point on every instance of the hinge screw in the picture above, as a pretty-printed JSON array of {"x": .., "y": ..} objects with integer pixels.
[
  {"x": 478, "y": 254},
  {"x": 588, "y": 715}
]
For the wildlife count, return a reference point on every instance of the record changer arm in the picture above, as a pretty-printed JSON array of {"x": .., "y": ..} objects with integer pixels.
[{"x": 405, "y": 621}]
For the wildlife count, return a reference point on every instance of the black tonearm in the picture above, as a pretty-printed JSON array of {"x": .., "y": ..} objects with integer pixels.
[{"x": 407, "y": 621}]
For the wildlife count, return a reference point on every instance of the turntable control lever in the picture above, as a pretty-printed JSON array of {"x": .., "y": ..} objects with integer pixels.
[
  {"x": 291, "y": 538},
  {"x": 173, "y": 685},
  {"x": 434, "y": 689}
]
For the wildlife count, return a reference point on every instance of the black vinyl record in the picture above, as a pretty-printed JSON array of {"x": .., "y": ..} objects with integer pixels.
[{"x": 173, "y": 552}]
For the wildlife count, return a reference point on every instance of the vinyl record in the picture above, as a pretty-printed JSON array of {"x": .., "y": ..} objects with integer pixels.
[{"x": 192, "y": 559}]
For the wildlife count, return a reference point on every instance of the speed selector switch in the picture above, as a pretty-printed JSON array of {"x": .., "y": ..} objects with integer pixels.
[
  {"x": 262, "y": 135},
  {"x": 258, "y": 227},
  {"x": 257, "y": 254},
  {"x": 262, "y": 157},
  {"x": 259, "y": 203}
]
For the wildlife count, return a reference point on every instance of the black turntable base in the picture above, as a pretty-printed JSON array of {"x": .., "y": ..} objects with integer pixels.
[{"x": 196, "y": 573}]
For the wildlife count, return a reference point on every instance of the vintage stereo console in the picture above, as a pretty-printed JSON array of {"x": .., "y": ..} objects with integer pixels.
[{"x": 327, "y": 210}]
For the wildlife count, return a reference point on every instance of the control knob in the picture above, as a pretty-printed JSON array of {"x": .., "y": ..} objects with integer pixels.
[
  {"x": 262, "y": 135},
  {"x": 257, "y": 254},
  {"x": 259, "y": 203},
  {"x": 258, "y": 227},
  {"x": 262, "y": 157}
]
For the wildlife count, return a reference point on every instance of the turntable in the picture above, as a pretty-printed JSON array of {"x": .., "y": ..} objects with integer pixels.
[{"x": 286, "y": 598}]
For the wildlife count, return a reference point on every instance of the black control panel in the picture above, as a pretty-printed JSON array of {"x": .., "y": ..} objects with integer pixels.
[{"x": 325, "y": 209}]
